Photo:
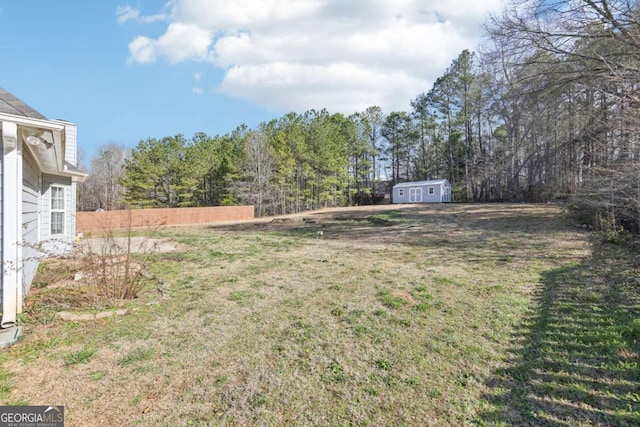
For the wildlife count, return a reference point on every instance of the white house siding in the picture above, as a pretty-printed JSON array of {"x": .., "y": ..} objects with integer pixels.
[
  {"x": 57, "y": 244},
  {"x": 70, "y": 148},
  {"x": 30, "y": 207},
  {"x": 71, "y": 156}
]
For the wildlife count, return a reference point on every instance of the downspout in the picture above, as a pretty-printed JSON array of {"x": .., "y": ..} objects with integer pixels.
[{"x": 11, "y": 225}]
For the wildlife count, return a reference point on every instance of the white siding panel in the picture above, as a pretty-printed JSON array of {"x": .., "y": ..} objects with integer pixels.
[
  {"x": 71, "y": 155},
  {"x": 30, "y": 213},
  {"x": 70, "y": 149},
  {"x": 72, "y": 210}
]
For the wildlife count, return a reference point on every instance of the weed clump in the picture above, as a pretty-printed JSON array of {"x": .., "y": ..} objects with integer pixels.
[{"x": 81, "y": 356}]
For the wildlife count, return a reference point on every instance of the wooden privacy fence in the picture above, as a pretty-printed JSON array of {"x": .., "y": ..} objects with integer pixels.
[{"x": 87, "y": 222}]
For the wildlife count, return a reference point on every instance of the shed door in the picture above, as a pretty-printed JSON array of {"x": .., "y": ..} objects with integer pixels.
[{"x": 415, "y": 194}]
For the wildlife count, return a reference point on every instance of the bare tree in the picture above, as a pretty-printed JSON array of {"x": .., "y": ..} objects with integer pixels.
[
  {"x": 257, "y": 185},
  {"x": 574, "y": 66},
  {"x": 373, "y": 117},
  {"x": 103, "y": 190}
]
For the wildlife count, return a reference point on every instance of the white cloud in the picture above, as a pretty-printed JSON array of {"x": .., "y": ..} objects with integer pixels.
[
  {"x": 247, "y": 14},
  {"x": 180, "y": 42},
  {"x": 197, "y": 77},
  {"x": 338, "y": 87},
  {"x": 299, "y": 54},
  {"x": 130, "y": 13},
  {"x": 148, "y": 19},
  {"x": 141, "y": 50},
  {"x": 126, "y": 13}
]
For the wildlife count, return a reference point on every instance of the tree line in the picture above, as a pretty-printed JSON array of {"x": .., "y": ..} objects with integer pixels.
[{"x": 547, "y": 109}]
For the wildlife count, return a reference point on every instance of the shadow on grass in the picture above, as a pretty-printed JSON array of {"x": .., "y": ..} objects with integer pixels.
[{"x": 576, "y": 359}]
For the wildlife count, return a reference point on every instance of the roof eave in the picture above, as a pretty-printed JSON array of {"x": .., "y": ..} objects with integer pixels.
[
  {"x": 414, "y": 183},
  {"x": 73, "y": 172},
  {"x": 28, "y": 121}
]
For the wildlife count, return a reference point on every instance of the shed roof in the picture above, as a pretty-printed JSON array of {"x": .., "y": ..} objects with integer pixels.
[
  {"x": 9, "y": 104},
  {"x": 419, "y": 183}
]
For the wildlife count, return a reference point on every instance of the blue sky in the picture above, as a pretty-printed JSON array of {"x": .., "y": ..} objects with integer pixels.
[{"x": 126, "y": 71}]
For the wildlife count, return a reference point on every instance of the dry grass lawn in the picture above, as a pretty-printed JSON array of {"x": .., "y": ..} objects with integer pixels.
[{"x": 396, "y": 315}]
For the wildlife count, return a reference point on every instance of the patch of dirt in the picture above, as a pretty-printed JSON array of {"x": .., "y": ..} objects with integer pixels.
[
  {"x": 65, "y": 282},
  {"x": 138, "y": 244}
]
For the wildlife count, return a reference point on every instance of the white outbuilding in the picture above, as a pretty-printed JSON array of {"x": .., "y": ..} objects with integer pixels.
[{"x": 433, "y": 191}]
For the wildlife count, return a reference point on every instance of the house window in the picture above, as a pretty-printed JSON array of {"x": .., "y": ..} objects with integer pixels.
[
  {"x": 431, "y": 190},
  {"x": 57, "y": 210},
  {"x": 401, "y": 192}
]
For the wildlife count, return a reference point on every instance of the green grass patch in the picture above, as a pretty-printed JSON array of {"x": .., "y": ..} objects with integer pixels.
[
  {"x": 6, "y": 385},
  {"x": 389, "y": 300},
  {"x": 84, "y": 355},
  {"x": 447, "y": 281},
  {"x": 97, "y": 376},
  {"x": 137, "y": 355},
  {"x": 243, "y": 297},
  {"x": 392, "y": 215},
  {"x": 334, "y": 373}
]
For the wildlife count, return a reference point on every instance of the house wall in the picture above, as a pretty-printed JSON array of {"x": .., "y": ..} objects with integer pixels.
[
  {"x": 57, "y": 244},
  {"x": 25, "y": 202},
  {"x": 70, "y": 148},
  {"x": 30, "y": 213},
  {"x": 87, "y": 222},
  {"x": 71, "y": 156}
]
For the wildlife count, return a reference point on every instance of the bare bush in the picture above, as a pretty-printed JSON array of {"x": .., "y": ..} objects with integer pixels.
[
  {"x": 610, "y": 199},
  {"x": 117, "y": 263}
]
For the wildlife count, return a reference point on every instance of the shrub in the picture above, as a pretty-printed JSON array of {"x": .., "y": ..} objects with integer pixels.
[
  {"x": 118, "y": 264},
  {"x": 609, "y": 200},
  {"x": 617, "y": 236}
]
